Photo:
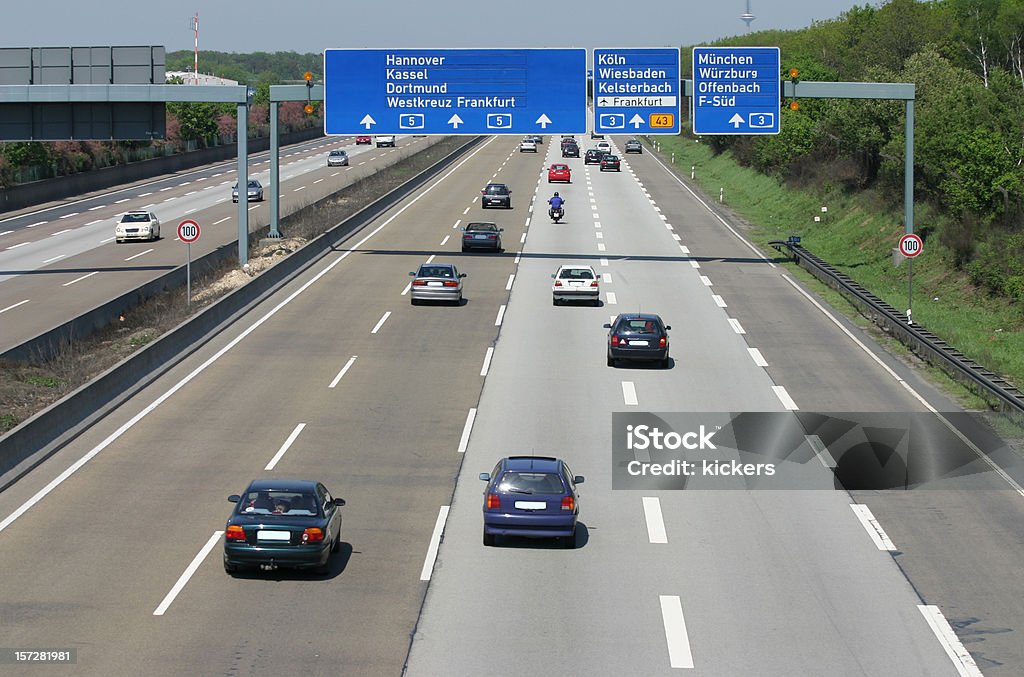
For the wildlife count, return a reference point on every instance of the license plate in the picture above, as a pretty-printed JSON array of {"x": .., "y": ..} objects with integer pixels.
[
  {"x": 575, "y": 284},
  {"x": 264, "y": 535},
  {"x": 435, "y": 284},
  {"x": 635, "y": 342},
  {"x": 479, "y": 237},
  {"x": 531, "y": 505}
]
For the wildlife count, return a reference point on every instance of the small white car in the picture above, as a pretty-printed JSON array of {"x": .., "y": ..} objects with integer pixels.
[
  {"x": 527, "y": 146},
  {"x": 605, "y": 146},
  {"x": 137, "y": 226},
  {"x": 575, "y": 283}
]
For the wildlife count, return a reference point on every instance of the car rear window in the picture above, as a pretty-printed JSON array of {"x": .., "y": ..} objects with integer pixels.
[
  {"x": 638, "y": 326},
  {"x": 496, "y": 190},
  {"x": 435, "y": 271},
  {"x": 576, "y": 274},
  {"x": 277, "y": 503},
  {"x": 531, "y": 483}
]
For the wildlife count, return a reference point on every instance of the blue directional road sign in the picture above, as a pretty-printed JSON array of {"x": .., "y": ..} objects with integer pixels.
[
  {"x": 736, "y": 90},
  {"x": 636, "y": 91},
  {"x": 455, "y": 91}
]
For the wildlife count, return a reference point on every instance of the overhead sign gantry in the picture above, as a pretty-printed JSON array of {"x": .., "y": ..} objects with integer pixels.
[
  {"x": 736, "y": 90},
  {"x": 636, "y": 91}
]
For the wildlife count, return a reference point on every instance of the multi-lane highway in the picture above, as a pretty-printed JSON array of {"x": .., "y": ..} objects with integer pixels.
[
  {"x": 112, "y": 546},
  {"x": 61, "y": 260}
]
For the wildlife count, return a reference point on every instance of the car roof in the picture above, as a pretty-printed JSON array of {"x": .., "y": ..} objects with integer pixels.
[
  {"x": 575, "y": 266},
  {"x": 437, "y": 265},
  {"x": 539, "y": 463},
  {"x": 278, "y": 484}
]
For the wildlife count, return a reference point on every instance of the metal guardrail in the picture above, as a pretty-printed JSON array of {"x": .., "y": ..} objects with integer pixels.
[{"x": 922, "y": 342}]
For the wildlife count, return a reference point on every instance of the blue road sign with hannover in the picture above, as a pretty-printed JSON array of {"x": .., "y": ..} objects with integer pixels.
[
  {"x": 636, "y": 91},
  {"x": 736, "y": 90},
  {"x": 455, "y": 91}
]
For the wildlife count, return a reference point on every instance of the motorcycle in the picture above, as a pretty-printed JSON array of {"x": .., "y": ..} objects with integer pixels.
[{"x": 556, "y": 214}]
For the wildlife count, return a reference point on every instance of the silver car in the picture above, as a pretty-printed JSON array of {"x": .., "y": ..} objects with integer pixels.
[
  {"x": 254, "y": 191},
  {"x": 436, "y": 282},
  {"x": 137, "y": 226},
  {"x": 337, "y": 158},
  {"x": 575, "y": 283}
]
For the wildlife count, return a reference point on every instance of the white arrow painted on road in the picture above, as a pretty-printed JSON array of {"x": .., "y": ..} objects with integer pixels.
[
  {"x": 736, "y": 120},
  {"x": 543, "y": 121},
  {"x": 636, "y": 121},
  {"x": 367, "y": 121},
  {"x": 455, "y": 121}
]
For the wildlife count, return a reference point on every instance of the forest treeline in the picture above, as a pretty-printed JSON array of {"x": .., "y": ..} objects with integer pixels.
[
  {"x": 189, "y": 125},
  {"x": 966, "y": 58}
]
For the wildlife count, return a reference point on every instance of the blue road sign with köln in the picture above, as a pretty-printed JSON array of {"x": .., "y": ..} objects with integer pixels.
[
  {"x": 455, "y": 91},
  {"x": 736, "y": 90},
  {"x": 636, "y": 91}
]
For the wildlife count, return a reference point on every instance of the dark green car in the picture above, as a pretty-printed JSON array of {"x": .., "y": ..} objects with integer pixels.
[{"x": 276, "y": 523}]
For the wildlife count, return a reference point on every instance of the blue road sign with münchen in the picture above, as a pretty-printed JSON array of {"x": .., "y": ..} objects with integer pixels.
[
  {"x": 636, "y": 91},
  {"x": 455, "y": 91},
  {"x": 736, "y": 90}
]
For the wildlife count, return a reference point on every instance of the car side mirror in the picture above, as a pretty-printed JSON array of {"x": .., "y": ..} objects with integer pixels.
[
  {"x": 578, "y": 479},
  {"x": 607, "y": 326},
  {"x": 501, "y": 230},
  {"x": 412, "y": 273},
  {"x": 667, "y": 327},
  {"x": 234, "y": 498},
  {"x": 462, "y": 274},
  {"x": 485, "y": 476},
  {"x": 339, "y": 502}
]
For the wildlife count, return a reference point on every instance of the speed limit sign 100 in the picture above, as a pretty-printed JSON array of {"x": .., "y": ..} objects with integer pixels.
[
  {"x": 188, "y": 231},
  {"x": 911, "y": 245}
]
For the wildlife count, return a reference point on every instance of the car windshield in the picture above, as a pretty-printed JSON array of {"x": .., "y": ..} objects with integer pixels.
[
  {"x": 337, "y": 152},
  {"x": 277, "y": 502},
  {"x": 576, "y": 274},
  {"x": 134, "y": 218},
  {"x": 495, "y": 189},
  {"x": 638, "y": 326},
  {"x": 515, "y": 482},
  {"x": 436, "y": 271},
  {"x": 254, "y": 184}
]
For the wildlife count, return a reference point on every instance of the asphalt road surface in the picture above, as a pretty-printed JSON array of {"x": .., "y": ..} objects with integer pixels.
[{"x": 113, "y": 545}]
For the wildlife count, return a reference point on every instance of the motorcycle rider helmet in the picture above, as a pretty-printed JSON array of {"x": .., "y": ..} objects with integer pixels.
[{"x": 556, "y": 193}]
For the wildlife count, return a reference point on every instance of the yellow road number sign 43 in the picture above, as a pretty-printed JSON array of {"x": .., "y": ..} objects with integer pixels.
[{"x": 662, "y": 120}]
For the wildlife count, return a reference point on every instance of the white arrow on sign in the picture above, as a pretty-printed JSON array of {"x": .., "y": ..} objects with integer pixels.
[
  {"x": 367, "y": 121},
  {"x": 455, "y": 121},
  {"x": 543, "y": 121},
  {"x": 636, "y": 121},
  {"x": 736, "y": 120}
]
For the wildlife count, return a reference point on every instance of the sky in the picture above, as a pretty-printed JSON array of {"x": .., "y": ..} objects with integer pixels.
[{"x": 314, "y": 25}]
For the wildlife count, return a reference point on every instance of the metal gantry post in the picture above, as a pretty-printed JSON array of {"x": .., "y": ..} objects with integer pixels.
[
  {"x": 275, "y": 173},
  {"x": 908, "y": 170},
  {"x": 243, "y": 185}
]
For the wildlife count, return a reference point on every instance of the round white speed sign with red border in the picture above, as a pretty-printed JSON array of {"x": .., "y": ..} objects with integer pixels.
[
  {"x": 188, "y": 231},
  {"x": 911, "y": 245}
]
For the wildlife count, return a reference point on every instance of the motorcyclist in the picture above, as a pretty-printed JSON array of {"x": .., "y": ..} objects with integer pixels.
[{"x": 556, "y": 202}]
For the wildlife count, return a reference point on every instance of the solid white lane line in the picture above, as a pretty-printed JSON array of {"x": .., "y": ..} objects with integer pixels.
[
  {"x": 19, "y": 303},
  {"x": 758, "y": 358},
  {"x": 787, "y": 401},
  {"x": 871, "y": 525},
  {"x": 407, "y": 288},
  {"x": 466, "y": 430},
  {"x": 961, "y": 657},
  {"x": 629, "y": 394},
  {"x": 719, "y": 301},
  {"x": 501, "y": 315},
  {"x": 736, "y": 326},
  {"x": 445, "y": 240},
  {"x": 607, "y": 277},
  {"x": 380, "y": 323},
  {"x": 222, "y": 220},
  {"x": 341, "y": 373},
  {"x": 610, "y": 298},
  {"x": 679, "y": 655},
  {"x": 135, "y": 256},
  {"x": 706, "y": 280},
  {"x": 20, "y": 244},
  {"x": 487, "y": 361},
  {"x": 187, "y": 574},
  {"x": 79, "y": 279},
  {"x": 59, "y": 256},
  {"x": 284, "y": 447},
  {"x": 655, "y": 522},
  {"x": 68, "y": 216},
  {"x": 821, "y": 451},
  {"x": 435, "y": 543},
  {"x": 511, "y": 279}
]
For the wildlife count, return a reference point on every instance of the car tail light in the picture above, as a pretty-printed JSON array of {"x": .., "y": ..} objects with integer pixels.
[
  {"x": 615, "y": 339},
  {"x": 419, "y": 283},
  {"x": 235, "y": 533},
  {"x": 493, "y": 501},
  {"x": 558, "y": 283},
  {"x": 451, "y": 283},
  {"x": 594, "y": 283},
  {"x": 662, "y": 342},
  {"x": 491, "y": 237},
  {"x": 312, "y": 535},
  {"x": 568, "y": 503}
]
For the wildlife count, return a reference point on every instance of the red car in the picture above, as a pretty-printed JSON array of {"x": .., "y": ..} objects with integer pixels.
[
  {"x": 559, "y": 172},
  {"x": 360, "y": 140}
]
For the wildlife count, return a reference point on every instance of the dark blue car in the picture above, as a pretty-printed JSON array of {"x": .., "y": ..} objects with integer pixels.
[
  {"x": 283, "y": 523},
  {"x": 532, "y": 496}
]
